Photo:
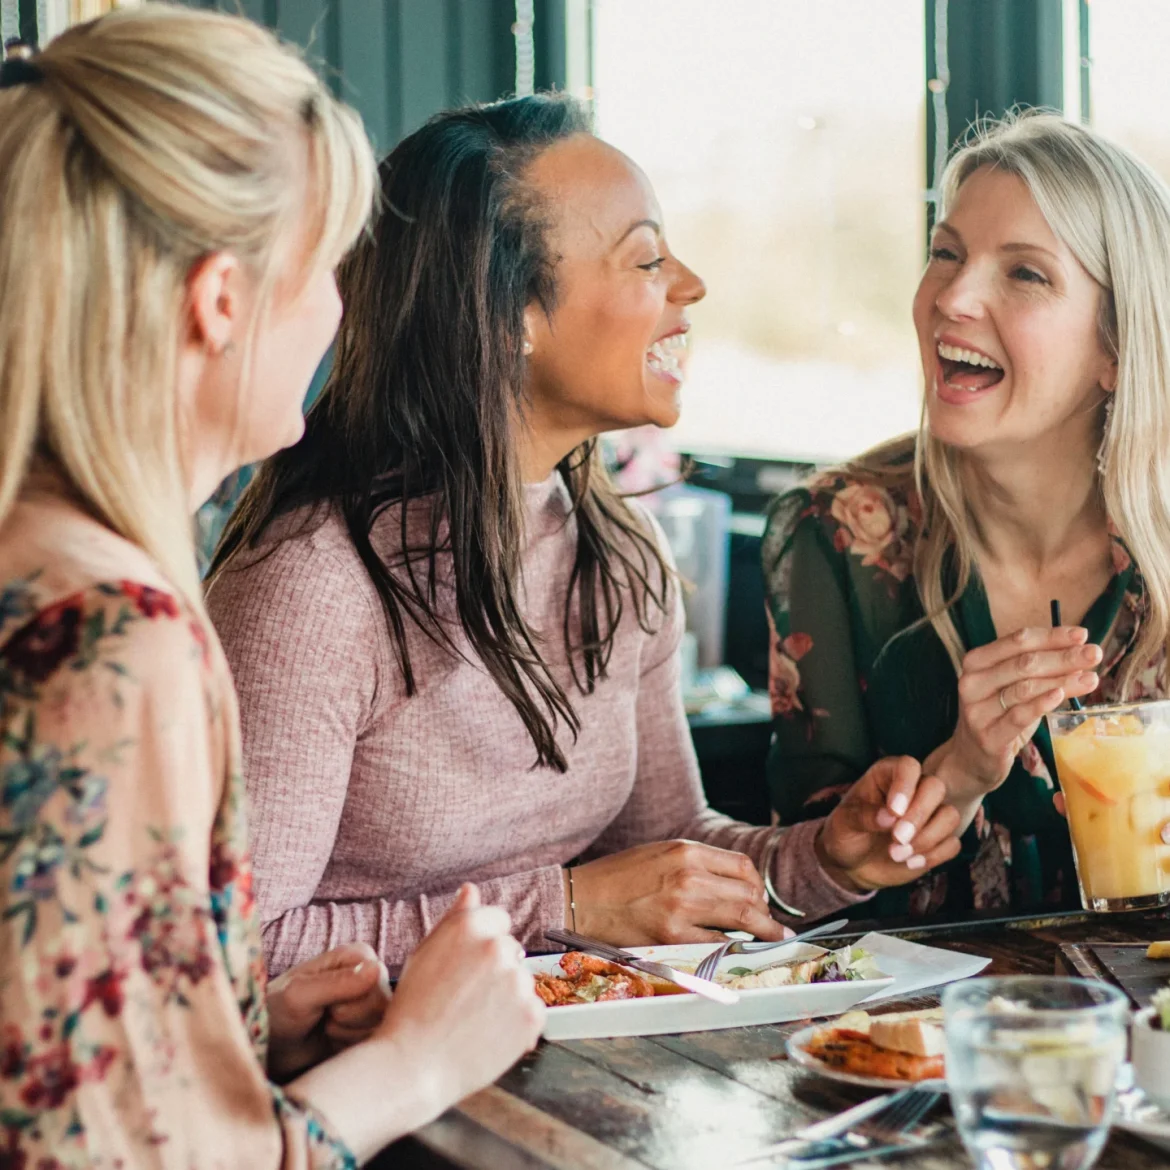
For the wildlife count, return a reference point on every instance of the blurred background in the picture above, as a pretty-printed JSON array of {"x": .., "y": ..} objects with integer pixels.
[{"x": 794, "y": 146}]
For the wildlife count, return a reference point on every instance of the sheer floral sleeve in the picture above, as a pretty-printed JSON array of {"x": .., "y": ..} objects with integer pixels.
[
  {"x": 820, "y": 742},
  {"x": 132, "y": 1025}
]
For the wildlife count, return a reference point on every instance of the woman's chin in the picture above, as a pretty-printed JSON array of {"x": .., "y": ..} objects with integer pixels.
[{"x": 663, "y": 401}]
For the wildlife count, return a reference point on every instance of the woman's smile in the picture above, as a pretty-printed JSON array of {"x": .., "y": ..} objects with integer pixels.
[
  {"x": 963, "y": 372},
  {"x": 668, "y": 357}
]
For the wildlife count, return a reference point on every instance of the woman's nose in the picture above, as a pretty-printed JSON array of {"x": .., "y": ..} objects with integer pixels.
[
  {"x": 688, "y": 287},
  {"x": 964, "y": 296}
]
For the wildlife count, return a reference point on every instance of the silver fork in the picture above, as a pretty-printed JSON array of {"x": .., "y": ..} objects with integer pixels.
[
  {"x": 707, "y": 968},
  {"x": 881, "y": 1121},
  {"x": 898, "y": 1117}
]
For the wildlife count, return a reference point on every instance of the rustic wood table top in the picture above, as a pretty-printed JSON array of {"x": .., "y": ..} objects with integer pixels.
[{"x": 706, "y": 1100}]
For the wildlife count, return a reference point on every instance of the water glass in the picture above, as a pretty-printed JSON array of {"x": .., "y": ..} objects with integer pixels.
[{"x": 1032, "y": 1067}]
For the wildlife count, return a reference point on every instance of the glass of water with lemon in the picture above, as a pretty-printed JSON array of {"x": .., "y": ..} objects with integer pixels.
[{"x": 1032, "y": 1066}]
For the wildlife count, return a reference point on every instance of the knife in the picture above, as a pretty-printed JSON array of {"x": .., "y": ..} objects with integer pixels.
[{"x": 592, "y": 946}]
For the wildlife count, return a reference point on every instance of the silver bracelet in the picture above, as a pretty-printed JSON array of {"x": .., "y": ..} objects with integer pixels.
[{"x": 774, "y": 898}]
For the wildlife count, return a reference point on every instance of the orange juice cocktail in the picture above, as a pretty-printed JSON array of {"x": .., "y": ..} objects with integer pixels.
[{"x": 1114, "y": 769}]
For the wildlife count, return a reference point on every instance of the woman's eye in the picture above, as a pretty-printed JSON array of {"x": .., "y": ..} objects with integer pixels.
[
  {"x": 941, "y": 253},
  {"x": 654, "y": 265},
  {"x": 1028, "y": 275}
]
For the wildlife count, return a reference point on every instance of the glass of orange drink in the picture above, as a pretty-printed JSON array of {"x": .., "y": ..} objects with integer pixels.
[{"x": 1114, "y": 769}]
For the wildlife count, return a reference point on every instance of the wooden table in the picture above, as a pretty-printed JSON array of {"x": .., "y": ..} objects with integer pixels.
[{"x": 704, "y": 1100}]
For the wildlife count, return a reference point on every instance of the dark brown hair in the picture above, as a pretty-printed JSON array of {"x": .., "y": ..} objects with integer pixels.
[{"x": 427, "y": 381}]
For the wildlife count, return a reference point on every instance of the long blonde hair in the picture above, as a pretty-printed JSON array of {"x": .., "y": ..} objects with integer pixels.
[
  {"x": 153, "y": 137},
  {"x": 1113, "y": 213}
]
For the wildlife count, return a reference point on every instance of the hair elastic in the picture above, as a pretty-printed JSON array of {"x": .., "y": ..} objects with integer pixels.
[{"x": 19, "y": 70}]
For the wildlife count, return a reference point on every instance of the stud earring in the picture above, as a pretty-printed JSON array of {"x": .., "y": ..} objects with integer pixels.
[{"x": 526, "y": 347}]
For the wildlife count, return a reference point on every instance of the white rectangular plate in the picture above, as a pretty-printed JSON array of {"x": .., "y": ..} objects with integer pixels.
[{"x": 692, "y": 1013}]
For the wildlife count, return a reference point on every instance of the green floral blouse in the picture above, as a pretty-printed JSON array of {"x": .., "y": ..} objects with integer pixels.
[{"x": 847, "y": 692}]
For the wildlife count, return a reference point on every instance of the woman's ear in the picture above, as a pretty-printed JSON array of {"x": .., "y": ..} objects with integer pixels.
[
  {"x": 214, "y": 300},
  {"x": 1109, "y": 378},
  {"x": 532, "y": 322}
]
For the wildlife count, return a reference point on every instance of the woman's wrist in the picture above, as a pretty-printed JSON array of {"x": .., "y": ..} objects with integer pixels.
[
  {"x": 965, "y": 792},
  {"x": 375, "y": 1092},
  {"x": 570, "y": 899},
  {"x": 834, "y": 872},
  {"x": 963, "y": 784}
]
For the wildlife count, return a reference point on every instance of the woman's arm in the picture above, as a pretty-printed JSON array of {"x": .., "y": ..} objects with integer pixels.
[
  {"x": 533, "y": 899},
  {"x": 132, "y": 1012},
  {"x": 817, "y": 866},
  {"x": 126, "y": 1029},
  {"x": 820, "y": 738},
  {"x": 304, "y": 638},
  {"x": 667, "y": 801}
]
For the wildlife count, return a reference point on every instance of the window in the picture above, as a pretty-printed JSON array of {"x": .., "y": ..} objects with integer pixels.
[
  {"x": 786, "y": 144},
  {"x": 1129, "y": 84}
]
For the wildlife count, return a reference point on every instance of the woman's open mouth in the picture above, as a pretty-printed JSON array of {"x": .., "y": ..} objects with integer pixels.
[
  {"x": 667, "y": 357},
  {"x": 967, "y": 369}
]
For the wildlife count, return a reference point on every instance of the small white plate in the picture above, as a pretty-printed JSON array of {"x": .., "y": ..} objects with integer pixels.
[
  {"x": 1137, "y": 1114},
  {"x": 665, "y": 1014},
  {"x": 799, "y": 1054}
]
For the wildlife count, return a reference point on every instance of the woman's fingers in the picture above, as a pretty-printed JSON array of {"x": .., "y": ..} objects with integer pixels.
[
  {"x": 943, "y": 823},
  {"x": 362, "y": 1013},
  {"x": 719, "y": 862},
  {"x": 1082, "y": 682},
  {"x": 1012, "y": 676},
  {"x": 1025, "y": 641},
  {"x": 929, "y": 794},
  {"x": 942, "y": 852},
  {"x": 724, "y": 903},
  {"x": 899, "y": 776}
]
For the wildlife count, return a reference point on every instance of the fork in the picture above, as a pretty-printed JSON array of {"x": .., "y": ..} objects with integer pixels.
[
  {"x": 707, "y": 968},
  {"x": 882, "y": 1121},
  {"x": 900, "y": 1115}
]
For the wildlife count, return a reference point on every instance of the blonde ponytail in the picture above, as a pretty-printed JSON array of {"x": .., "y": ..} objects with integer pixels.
[{"x": 154, "y": 137}]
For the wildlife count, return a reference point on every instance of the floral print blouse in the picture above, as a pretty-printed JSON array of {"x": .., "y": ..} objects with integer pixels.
[
  {"x": 133, "y": 1029},
  {"x": 847, "y": 692}
]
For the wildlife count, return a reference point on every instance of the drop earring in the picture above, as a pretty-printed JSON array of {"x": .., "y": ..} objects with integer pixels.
[{"x": 1101, "y": 456}]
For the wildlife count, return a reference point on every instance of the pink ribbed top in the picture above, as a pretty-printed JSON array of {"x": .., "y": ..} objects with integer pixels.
[{"x": 368, "y": 808}]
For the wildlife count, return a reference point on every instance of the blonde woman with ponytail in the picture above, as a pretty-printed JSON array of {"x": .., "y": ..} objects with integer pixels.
[
  {"x": 176, "y": 190},
  {"x": 909, "y": 591}
]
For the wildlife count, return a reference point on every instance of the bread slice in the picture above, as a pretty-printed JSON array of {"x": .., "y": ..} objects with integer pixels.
[
  {"x": 916, "y": 1037},
  {"x": 917, "y": 1033}
]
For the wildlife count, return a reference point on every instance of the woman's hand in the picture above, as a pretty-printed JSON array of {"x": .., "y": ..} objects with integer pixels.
[
  {"x": 889, "y": 828},
  {"x": 1005, "y": 689},
  {"x": 465, "y": 1008},
  {"x": 671, "y": 892},
  {"x": 463, "y": 1012},
  {"x": 322, "y": 1005}
]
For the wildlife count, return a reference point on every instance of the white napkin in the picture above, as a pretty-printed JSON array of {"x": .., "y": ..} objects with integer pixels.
[{"x": 915, "y": 967}]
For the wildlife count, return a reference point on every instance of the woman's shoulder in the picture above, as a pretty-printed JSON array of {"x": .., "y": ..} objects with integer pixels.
[
  {"x": 864, "y": 510},
  {"x": 306, "y": 549},
  {"x": 70, "y": 588}
]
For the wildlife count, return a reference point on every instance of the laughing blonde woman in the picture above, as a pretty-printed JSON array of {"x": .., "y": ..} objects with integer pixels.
[
  {"x": 909, "y": 591},
  {"x": 169, "y": 226}
]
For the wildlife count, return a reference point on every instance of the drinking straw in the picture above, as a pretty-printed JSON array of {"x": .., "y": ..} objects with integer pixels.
[{"x": 1054, "y": 605}]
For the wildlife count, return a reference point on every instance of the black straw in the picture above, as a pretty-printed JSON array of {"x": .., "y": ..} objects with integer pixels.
[{"x": 1054, "y": 605}]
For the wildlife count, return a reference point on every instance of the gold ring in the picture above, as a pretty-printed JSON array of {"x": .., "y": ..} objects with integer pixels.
[{"x": 1002, "y": 701}]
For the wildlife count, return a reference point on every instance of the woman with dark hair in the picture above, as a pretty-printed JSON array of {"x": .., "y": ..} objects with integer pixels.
[{"x": 455, "y": 643}]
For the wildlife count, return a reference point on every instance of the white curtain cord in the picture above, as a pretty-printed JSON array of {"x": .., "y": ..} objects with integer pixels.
[
  {"x": 9, "y": 19},
  {"x": 525, "y": 48},
  {"x": 939, "y": 84}
]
